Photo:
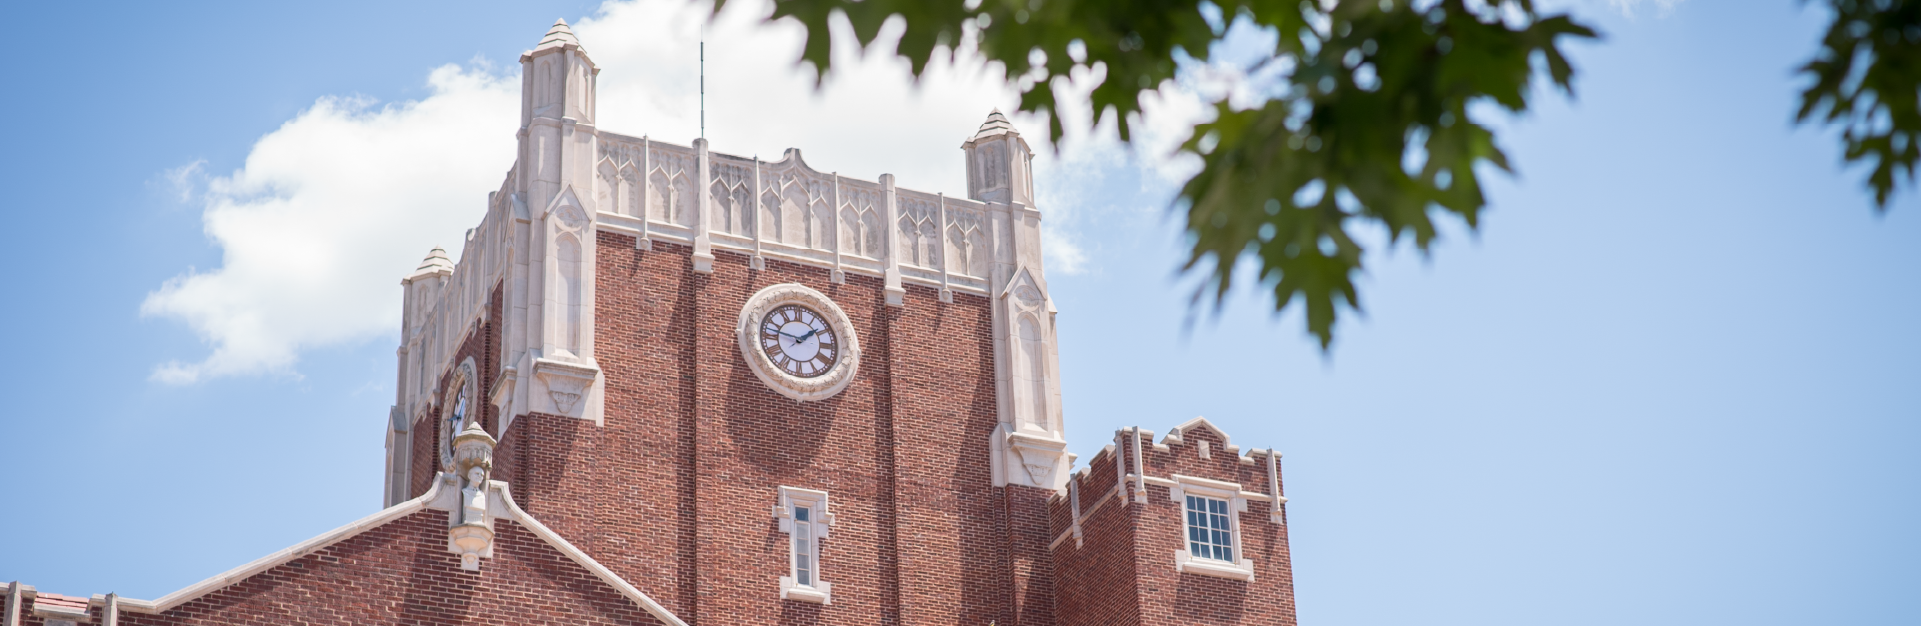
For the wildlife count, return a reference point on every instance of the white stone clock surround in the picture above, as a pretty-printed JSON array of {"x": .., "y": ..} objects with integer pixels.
[
  {"x": 465, "y": 382},
  {"x": 815, "y": 388}
]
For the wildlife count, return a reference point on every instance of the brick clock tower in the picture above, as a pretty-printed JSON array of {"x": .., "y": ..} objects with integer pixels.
[{"x": 668, "y": 385}]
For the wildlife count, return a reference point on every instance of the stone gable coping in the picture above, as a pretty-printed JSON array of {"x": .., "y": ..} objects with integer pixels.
[{"x": 435, "y": 498}]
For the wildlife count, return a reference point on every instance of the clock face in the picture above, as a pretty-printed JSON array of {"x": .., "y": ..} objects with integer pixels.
[{"x": 798, "y": 341}]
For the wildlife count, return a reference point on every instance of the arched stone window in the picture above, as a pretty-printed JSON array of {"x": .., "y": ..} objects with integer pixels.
[
  {"x": 567, "y": 253},
  {"x": 1030, "y": 374}
]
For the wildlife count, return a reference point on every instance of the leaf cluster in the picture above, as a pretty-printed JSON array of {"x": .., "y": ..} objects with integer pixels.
[
  {"x": 1867, "y": 76},
  {"x": 1038, "y": 41},
  {"x": 1373, "y": 128},
  {"x": 1370, "y": 125}
]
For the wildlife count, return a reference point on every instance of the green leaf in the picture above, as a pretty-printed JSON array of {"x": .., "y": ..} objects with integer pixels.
[
  {"x": 1867, "y": 78},
  {"x": 1253, "y": 199}
]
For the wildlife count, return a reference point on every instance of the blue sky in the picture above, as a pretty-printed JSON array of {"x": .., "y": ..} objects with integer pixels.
[{"x": 1672, "y": 379}]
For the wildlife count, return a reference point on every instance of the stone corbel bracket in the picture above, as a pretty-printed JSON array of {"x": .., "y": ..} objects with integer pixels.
[
  {"x": 1032, "y": 460},
  {"x": 568, "y": 386}
]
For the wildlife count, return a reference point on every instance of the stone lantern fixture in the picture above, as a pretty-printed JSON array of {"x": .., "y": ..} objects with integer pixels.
[{"x": 472, "y": 534}]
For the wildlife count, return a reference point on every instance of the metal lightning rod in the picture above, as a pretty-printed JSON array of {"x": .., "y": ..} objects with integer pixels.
[{"x": 703, "y": 89}]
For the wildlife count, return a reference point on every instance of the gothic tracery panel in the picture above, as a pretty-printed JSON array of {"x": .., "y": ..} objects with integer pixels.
[
  {"x": 733, "y": 208},
  {"x": 607, "y": 187},
  {"x": 818, "y": 215},
  {"x": 629, "y": 199},
  {"x": 966, "y": 243},
  {"x": 670, "y": 187},
  {"x": 919, "y": 233},
  {"x": 989, "y": 164},
  {"x": 860, "y": 223},
  {"x": 770, "y": 214}
]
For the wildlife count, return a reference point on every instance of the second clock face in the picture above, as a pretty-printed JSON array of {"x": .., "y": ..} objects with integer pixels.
[{"x": 798, "y": 341}]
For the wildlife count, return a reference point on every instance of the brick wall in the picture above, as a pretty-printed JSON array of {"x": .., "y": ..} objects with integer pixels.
[
  {"x": 1032, "y": 572},
  {"x": 675, "y": 493},
  {"x": 1097, "y": 585},
  {"x": 482, "y": 344},
  {"x": 424, "y": 460},
  {"x": 1124, "y": 573},
  {"x": 402, "y": 573},
  {"x": 489, "y": 366}
]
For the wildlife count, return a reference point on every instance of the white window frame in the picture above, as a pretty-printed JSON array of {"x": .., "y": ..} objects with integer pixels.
[
  {"x": 791, "y": 498},
  {"x": 1242, "y": 567}
]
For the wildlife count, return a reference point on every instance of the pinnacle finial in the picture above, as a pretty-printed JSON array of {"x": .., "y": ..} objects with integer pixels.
[
  {"x": 996, "y": 124},
  {"x": 559, "y": 35},
  {"x": 435, "y": 263}
]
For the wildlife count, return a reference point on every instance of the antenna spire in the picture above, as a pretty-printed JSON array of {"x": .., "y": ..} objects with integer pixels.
[{"x": 703, "y": 88}]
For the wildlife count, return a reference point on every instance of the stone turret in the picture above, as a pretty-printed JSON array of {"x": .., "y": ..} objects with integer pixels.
[
  {"x": 999, "y": 163},
  {"x": 1031, "y": 446},
  {"x": 553, "y": 325},
  {"x": 419, "y": 291}
]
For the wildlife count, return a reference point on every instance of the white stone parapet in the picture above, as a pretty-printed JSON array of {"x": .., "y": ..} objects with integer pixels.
[{"x": 570, "y": 181}]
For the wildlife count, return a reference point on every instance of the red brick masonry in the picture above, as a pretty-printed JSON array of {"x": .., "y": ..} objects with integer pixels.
[
  {"x": 402, "y": 573},
  {"x": 1123, "y": 573},
  {"x": 674, "y": 493}
]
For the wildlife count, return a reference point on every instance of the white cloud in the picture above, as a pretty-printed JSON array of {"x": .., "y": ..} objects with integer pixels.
[
  {"x": 1627, "y": 7},
  {"x": 184, "y": 180},
  {"x": 333, "y": 207},
  {"x": 328, "y": 212}
]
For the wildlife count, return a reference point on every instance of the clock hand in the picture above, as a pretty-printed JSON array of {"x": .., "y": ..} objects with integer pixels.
[
  {"x": 800, "y": 338},
  {"x": 810, "y": 333}
]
